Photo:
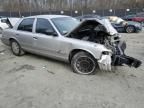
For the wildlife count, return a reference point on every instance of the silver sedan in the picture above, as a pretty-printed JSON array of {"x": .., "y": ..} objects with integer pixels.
[{"x": 85, "y": 45}]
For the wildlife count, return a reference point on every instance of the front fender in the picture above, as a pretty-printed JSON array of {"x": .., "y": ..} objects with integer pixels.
[{"x": 96, "y": 50}]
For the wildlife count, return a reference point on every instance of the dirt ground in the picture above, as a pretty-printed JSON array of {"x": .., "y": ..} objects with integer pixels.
[{"x": 33, "y": 81}]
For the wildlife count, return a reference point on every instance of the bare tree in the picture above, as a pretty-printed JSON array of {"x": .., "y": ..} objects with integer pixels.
[{"x": 46, "y": 5}]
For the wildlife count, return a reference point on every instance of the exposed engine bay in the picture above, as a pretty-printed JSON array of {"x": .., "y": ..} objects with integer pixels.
[{"x": 99, "y": 32}]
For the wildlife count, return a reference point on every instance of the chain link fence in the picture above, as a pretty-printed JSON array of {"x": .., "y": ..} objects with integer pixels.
[{"x": 74, "y": 13}]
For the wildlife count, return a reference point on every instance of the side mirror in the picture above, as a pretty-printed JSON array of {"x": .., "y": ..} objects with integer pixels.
[{"x": 50, "y": 32}]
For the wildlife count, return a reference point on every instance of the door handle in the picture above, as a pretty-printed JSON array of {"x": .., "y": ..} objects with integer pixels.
[{"x": 35, "y": 38}]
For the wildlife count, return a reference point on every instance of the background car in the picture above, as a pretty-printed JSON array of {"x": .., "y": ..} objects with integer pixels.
[
  {"x": 125, "y": 26},
  {"x": 139, "y": 17},
  {"x": 2, "y": 26},
  {"x": 129, "y": 17},
  {"x": 7, "y": 23}
]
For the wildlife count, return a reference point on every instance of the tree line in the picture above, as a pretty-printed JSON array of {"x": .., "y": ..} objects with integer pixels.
[{"x": 66, "y": 5}]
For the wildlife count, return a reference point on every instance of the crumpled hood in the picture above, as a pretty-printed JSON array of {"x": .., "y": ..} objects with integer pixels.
[{"x": 109, "y": 29}]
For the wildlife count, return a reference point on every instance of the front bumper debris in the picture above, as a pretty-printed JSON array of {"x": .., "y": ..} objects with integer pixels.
[
  {"x": 120, "y": 58},
  {"x": 105, "y": 63},
  {"x": 124, "y": 59}
]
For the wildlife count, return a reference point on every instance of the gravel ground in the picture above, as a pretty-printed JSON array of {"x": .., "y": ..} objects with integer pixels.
[{"x": 33, "y": 81}]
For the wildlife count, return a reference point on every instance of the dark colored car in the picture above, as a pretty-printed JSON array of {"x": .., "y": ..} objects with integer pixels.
[
  {"x": 139, "y": 17},
  {"x": 125, "y": 26},
  {"x": 129, "y": 17}
]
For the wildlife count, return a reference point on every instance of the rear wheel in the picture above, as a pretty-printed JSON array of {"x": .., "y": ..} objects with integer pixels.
[
  {"x": 83, "y": 63},
  {"x": 130, "y": 29},
  {"x": 16, "y": 48}
]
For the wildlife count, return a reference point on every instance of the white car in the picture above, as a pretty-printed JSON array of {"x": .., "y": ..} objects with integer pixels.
[{"x": 4, "y": 25}]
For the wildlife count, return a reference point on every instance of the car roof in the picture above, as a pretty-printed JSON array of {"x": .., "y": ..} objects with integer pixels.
[{"x": 47, "y": 16}]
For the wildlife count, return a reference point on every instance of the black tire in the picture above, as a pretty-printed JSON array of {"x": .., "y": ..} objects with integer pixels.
[
  {"x": 16, "y": 48},
  {"x": 83, "y": 63},
  {"x": 130, "y": 29}
]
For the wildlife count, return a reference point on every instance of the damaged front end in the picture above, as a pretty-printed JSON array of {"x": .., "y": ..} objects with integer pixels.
[
  {"x": 105, "y": 62},
  {"x": 117, "y": 58},
  {"x": 118, "y": 47},
  {"x": 101, "y": 31}
]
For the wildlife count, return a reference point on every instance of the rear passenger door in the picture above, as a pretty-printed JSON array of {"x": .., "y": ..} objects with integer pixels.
[
  {"x": 46, "y": 43},
  {"x": 24, "y": 33}
]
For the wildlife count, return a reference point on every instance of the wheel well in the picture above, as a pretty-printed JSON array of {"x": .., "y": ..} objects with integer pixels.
[
  {"x": 73, "y": 52},
  {"x": 11, "y": 39}
]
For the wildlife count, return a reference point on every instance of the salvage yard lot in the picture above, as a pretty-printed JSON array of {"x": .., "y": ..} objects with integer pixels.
[{"x": 33, "y": 81}]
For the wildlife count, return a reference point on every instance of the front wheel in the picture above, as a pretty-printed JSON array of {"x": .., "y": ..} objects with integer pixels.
[
  {"x": 130, "y": 29},
  {"x": 83, "y": 63},
  {"x": 16, "y": 48}
]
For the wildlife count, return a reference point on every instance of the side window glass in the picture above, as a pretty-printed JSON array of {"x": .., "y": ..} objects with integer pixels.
[
  {"x": 43, "y": 26},
  {"x": 26, "y": 25}
]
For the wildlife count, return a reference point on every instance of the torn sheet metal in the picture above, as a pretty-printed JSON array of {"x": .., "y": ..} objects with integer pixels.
[
  {"x": 105, "y": 63},
  {"x": 109, "y": 28}
]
